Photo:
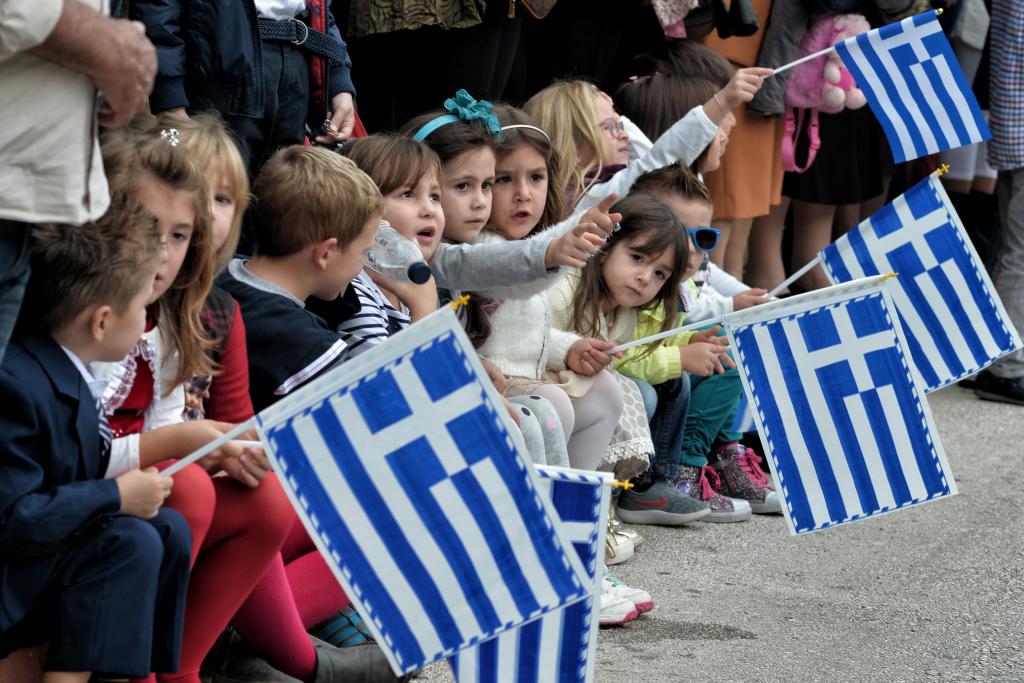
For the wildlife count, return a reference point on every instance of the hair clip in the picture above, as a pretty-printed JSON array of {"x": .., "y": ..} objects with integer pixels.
[
  {"x": 526, "y": 125},
  {"x": 617, "y": 227},
  {"x": 463, "y": 107},
  {"x": 171, "y": 136}
]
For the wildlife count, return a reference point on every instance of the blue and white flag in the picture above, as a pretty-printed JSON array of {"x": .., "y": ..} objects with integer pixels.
[
  {"x": 953, "y": 319},
  {"x": 401, "y": 466},
  {"x": 559, "y": 647},
  {"x": 915, "y": 87},
  {"x": 845, "y": 423}
]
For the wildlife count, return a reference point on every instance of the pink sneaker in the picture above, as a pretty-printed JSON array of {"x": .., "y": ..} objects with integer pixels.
[
  {"x": 741, "y": 477},
  {"x": 695, "y": 482}
]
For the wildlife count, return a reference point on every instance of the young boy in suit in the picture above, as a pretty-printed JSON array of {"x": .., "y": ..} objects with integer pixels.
[{"x": 94, "y": 566}]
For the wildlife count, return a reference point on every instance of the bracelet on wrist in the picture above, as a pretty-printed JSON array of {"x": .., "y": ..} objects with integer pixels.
[{"x": 720, "y": 107}]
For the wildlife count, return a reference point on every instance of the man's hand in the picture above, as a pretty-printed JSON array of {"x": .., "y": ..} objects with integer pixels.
[
  {"x": 343, "y": 118},
  {"x": 114, "y": 53}
]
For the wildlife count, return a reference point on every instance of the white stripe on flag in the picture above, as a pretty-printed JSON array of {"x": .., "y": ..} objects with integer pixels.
[
  {"x": 901, "y": 439},
  {"x": 925, "y": 84},
  {"x": 881, "y": 48},
  {"x": 804, "y": 464},
  {"x": 962, "y": 107},
  {"x": 977, "y": 318},
  {"x": 907, "y": 150},
  {"x": 366, "y": 537},
  {"x": 526, "y": 554},
  {"x": 807, "y": 362},
  {"x": 872, "y": 454},
  {"x": 416, "y": 532},
  {"x": 464, "y": 523},
  {"x": 551, "y": 639}
]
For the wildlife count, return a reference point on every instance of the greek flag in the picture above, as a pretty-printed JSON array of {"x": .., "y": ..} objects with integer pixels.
[
  {"x": 845, "y": 422},
  {"x": 401, "y": 467},
  {"x": 559, "y": 647},
  {"x": 915, "y": 87},
  {"x": 954, "y": 321}
]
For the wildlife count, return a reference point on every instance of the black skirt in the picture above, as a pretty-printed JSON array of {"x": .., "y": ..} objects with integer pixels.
[{"x": 848, "y": 167}]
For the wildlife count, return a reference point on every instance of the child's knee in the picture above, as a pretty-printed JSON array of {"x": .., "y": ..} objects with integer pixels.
[
  {"x": 193, "y": 496},
  {"x": 175, "y": 535},
  {"x": 132, "y": 544},
  {"x": 274, "y": 508}
]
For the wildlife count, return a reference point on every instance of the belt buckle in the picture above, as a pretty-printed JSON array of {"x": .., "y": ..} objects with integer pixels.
[{"x": 305, "y": 33}]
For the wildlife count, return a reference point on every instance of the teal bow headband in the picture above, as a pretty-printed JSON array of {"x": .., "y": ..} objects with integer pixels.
[{"x": 463, "y": 108}]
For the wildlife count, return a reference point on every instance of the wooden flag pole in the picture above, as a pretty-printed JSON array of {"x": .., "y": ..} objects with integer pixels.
[
  {"x": 819, "y": 53},
  {"x": 795, "y": 276}
]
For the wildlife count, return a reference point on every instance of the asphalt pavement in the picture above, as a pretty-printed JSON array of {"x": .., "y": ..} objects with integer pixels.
[{"x": 931, "y": 593}]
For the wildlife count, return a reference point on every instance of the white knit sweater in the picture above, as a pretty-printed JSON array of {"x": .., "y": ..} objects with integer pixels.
[{"x": 523, "y": 342}]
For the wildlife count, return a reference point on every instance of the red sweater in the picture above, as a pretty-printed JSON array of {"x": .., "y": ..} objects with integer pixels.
[{"x": 228, "y": 400}]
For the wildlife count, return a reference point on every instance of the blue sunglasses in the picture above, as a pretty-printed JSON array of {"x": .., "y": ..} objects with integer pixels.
[{"x": 704, "y": 239}]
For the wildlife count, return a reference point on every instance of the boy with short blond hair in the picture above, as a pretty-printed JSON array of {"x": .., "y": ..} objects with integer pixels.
[
  {"x": 96, "y": 567},
  {"x": 315, "y": 218}
]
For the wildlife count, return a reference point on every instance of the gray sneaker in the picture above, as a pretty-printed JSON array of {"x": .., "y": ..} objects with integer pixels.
[{"x": 660, "y": 503}]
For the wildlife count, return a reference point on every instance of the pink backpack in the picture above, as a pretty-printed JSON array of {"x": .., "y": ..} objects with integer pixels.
[{"x": 820, "y": 85}]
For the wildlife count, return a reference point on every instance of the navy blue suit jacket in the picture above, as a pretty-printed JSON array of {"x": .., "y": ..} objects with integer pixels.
[{"x": 51, "y": 489}]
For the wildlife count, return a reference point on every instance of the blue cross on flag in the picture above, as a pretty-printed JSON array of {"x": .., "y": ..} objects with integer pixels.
[
  {"x": 953, "y": 319},
  {"x": 559, "y": 647},
  {"x": 401, "y": 466},
  {"x": 915, "y": 87},
  {"x": 845, "y": 423}
]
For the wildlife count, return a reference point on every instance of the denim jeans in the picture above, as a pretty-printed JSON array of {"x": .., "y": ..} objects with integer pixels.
[
  {"x": 14, "y": 269},
  {"x": 649, "y": 395},
  {"x": 668, "y": 426}
]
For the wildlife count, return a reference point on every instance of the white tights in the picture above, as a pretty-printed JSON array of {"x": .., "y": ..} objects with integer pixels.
[{"x": 588, "y": 421}]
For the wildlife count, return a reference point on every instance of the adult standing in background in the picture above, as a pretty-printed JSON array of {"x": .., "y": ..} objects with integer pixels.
[
  {"x": 54, "y": 56},
  {"x": 1004, "y": 381}
]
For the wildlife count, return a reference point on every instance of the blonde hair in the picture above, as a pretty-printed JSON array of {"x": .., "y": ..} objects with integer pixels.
[
  {"x": 209, "y": 142},
  {"x": 565, "y": 110},
  {"x": 130, "y": 156},
  {"x": 305, "y": 195}
]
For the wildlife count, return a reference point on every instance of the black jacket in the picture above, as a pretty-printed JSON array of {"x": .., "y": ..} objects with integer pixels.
[
  {"x": 51, "y": 484},
  {"x": 210, "y": 55}
]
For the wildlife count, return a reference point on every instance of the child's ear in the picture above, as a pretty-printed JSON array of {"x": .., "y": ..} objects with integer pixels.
[
  {"x": 99, "y": 322},
  {"x": 322, "y": 252}
]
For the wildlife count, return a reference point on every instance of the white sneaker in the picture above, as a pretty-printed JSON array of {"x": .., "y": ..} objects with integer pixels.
[
  {"x": 641, "y": 599},
  {"x": 617, "y": 547},
  {"x": 615, "y": 610}
]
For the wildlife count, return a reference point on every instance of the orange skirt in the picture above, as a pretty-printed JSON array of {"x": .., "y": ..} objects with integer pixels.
[{"x": 749, "y": 179}]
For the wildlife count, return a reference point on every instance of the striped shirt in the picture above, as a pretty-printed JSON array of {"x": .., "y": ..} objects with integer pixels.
[
  {"x": 1006, "y": 87},
  {"x": 376, "y": 320}
]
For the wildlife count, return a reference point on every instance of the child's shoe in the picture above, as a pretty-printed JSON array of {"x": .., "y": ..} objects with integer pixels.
[
  {"x": 615, "y": 609},
  {"x": 741, "y": 477},
  {"x": 694, "y": 482},
  {"x": 628, "y": 532},
  {"x": 617, "y": 546},
  {"x": 659, "y": 503},
  {"x": 641, "y": 599}
]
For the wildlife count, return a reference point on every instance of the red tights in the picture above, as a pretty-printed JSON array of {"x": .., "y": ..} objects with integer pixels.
[
  {"x": 298, "y": 591},
  {"x": 236, "y": 535}
]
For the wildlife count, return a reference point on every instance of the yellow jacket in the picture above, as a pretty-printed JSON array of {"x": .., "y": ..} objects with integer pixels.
[{"x": 661, "y": 364}]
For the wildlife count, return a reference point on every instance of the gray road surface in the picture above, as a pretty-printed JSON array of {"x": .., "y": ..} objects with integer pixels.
[{"x": 932, "y": 593}]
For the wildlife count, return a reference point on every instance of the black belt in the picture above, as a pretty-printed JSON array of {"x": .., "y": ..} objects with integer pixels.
[{"x": 298, "y": 33}]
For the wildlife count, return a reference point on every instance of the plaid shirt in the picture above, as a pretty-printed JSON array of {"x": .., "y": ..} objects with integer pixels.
[{"x": 1006, "y": 87}]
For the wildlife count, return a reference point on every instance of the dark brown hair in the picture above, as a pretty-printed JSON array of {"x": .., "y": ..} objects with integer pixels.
[
  {"x": 451, "y": 139},
  {"x": 391, "y": 160},
  {"x": 305, "y": 195},
  {"x": 649, "y": 219},
  {"x": 676, "y": 180},
  {"x": 104, "y": 262},
  {"x": 554, "y": 203}
]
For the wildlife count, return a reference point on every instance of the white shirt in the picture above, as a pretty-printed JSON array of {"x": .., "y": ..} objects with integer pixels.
[
  {"x": 96, "y": 386},
  {"x": 51, "y": 170},
  {"x": 280, "y": 9}
]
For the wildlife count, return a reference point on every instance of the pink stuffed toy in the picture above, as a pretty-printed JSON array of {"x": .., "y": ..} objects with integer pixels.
[{"x": 821, "y": 85}]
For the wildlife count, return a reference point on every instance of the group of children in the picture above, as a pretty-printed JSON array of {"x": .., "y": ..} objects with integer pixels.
[{"x": 144, "y": 337}]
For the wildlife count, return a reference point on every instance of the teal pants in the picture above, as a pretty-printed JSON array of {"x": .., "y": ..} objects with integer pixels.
[{"x": 713, "y": 403}]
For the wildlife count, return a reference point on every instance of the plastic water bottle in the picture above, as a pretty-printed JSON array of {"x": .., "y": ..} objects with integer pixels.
[{"x": 396, "y": 258}]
